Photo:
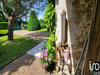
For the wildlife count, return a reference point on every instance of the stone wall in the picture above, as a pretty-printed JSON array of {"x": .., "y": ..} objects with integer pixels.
[{"x": 78, "y": 15}]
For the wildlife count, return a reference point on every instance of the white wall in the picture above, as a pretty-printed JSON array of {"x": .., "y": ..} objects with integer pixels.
[{"x": 59, "y": 9}]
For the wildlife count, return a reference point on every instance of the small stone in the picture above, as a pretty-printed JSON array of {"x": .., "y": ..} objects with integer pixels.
[
  {"x": 88, "y": 16},
  {"x": 90, "y": 5}
]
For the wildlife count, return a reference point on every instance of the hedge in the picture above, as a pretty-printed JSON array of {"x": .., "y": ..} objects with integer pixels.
[
  {"x": 3, "y": 25},
  {"x": 33, "y": 23},
  {"x": 17, "y": 27},
  {"x": 3, "y": 32}
]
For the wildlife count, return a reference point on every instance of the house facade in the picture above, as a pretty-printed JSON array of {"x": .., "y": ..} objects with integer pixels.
[{"x": 75, "y": 27}]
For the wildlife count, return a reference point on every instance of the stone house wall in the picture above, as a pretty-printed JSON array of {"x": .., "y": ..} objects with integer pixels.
[{"x": 78, "y": 15}]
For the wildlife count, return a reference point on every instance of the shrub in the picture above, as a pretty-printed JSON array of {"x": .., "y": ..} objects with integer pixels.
[
  {"x": 3, "y": 32},
  {"x": 33, "y": 23},
  {"x": 43, "y": 25},
  {"x": 17, "y": 27},
  {"x": 3, "y": 25},
  {"x": 25, "y": 26}
]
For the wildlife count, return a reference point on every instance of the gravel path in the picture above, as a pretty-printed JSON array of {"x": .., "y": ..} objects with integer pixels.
[
  {"x": 24, "y": 65},
  {"x": 40, "y": 36}
]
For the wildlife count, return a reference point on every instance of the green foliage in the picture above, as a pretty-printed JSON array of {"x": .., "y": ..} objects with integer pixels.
[
  {"x": 25, "y": 25},
  {"x": 3, "y": 32},
  {"x": 42, "y": 23},
  {"x": 17, "y": 27},
  {"x": 50, "y": 19},
  {"x": 33, "y": 23},
  {"x": 3, "y": 25},
  {"x": 42, "y": 30},
  {"x": 2, "y": 18},
  {"x": 45, "y": 58},
  {"x": 51, "y": 46},
  {"x": 51, "y": 2}
]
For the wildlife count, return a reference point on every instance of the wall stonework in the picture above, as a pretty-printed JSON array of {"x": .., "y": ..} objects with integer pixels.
[{"x": 78, "y": 15}]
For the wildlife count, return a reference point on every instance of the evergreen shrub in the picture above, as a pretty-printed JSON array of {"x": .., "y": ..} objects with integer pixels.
[{"x": 33, "y": 23}]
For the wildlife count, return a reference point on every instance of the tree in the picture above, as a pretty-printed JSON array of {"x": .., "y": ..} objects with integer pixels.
[
  {"x": 42, "y": 23},
  {"x": 33, "y": 23},
  {"x": 15, "y": 7},
  {"x": 18, "y": 21}
]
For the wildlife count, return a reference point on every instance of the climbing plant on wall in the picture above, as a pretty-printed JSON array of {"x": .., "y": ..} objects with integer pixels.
[
  {"x": 48, "y": 55},
  {"x": 50, "y": 20}
]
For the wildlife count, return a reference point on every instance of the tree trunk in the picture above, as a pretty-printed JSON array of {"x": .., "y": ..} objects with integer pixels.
[{"x": 11, "y": 22}]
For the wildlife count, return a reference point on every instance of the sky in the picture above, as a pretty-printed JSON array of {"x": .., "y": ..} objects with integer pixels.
[{"x": 40, "y": 14}]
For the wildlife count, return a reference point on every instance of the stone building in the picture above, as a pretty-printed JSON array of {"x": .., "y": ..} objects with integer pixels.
[{"x": 76, "y": 23}]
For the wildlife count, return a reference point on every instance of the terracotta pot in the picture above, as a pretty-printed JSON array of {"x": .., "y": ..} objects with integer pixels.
[{"x": 51, "y": 67}]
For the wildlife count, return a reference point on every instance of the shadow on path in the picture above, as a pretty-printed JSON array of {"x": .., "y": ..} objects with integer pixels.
[{"x": 24, "y": 60}]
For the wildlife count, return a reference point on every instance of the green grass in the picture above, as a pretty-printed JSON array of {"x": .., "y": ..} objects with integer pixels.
[
  {"x": 42, "y": 30},
  {"x": 9, "y": 50},
  {"x": 3, "y": 32}
]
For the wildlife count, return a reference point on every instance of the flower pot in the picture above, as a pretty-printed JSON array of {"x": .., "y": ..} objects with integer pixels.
[{"x": 51, "y": 67}]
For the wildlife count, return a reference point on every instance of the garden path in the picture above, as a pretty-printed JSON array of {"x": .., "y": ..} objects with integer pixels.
[
  {"x": 35, "y": 51},
  {"x": 39, "y": 36}
]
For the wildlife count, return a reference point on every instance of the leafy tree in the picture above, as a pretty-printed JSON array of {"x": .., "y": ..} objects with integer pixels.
[
  {"x": 15, "y": 7},
  {"x": 33, "y": 23},
  {"x": 42, "y": 23}
]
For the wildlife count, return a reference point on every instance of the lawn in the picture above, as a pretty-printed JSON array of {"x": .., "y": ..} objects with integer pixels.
[
  {"x": 9, "y": 50},
  {"x": 42, "y": 30}
]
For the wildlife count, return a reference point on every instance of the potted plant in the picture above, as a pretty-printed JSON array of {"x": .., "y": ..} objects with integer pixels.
[{"x": 45, "y": 59}]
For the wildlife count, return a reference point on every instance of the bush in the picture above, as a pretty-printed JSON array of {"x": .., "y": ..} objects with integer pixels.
[
  {"x": 3, "y": 25},
  {"x": 33, "y": 23},
  {"x": 25, "y": 26},
  {"x": 43, "y": 25},
  {"x": 17, "y": 27},
  {"x": 3, "y": 32}
]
